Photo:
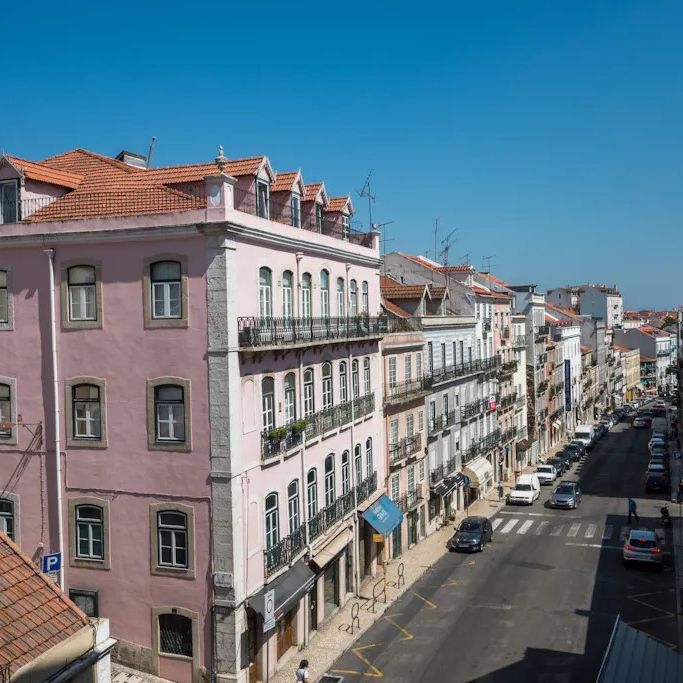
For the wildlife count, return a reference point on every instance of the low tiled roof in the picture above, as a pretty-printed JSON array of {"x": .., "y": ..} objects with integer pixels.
[
  {"x": 45, "y": 174},
  {"x": 396, "y": 310},
  {"x": 647, "y": 359},
  {"x": 653, "y": 331},
  {"x": 493, "y": 278},
  {"x": 563, "y": 311},
  {"x": 313, "y": 190},
  {"x": 338, "y": 203},
  {"x": 460, "y": 268},
  {"x": 34, "y": 614},
  {"x": 393, "y": 289}
]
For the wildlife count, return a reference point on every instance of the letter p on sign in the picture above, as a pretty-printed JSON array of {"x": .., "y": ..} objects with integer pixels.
[{"x": 52, "y": 563}]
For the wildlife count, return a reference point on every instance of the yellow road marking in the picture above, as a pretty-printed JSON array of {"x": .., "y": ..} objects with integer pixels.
[
  {"x": 372, "y": 672},
  {"x": 453, "y": 582},
  {"x": 429, "y": 602},
  {"x": 406, "y": 634}
]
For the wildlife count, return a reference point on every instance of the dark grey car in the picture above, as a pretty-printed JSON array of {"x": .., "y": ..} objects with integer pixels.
[
  {"x": 472, "y": 534},
  {"x": 566, "y": 495}
]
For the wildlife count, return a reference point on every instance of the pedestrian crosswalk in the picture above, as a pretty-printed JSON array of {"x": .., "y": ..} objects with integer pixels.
[{"x": 510, "y": 526}]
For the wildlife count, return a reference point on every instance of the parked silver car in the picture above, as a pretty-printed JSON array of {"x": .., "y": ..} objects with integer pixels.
[
  {"x": 566, "y": 495},
  {"x": 643, "y": 546}
]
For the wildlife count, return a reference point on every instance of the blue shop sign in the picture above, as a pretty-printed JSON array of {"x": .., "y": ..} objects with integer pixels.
[{"x": 384, "y": 515}]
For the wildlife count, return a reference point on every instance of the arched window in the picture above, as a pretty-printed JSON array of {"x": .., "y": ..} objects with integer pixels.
[
  {"x": 89, "y": 532},
  {"x": 166, "y": 290},
  {"x": 287, "y": 294},
  {"x": 324, "y": 294},
  {"x": 268, "y": 403},
  {"x": 358, "y": 463},
  {"x": 353, "y": 295},
  {"x": 312, "y": 492},
  {"x": 82, "y": 297},
  {"x": 329, "y": 480},
  {"x": 327, "y": 385},
  {"x": 272, "y": 523},
  {"x": 172, "y": 538},
  {"x": 265, "y": 277},
  {"x": 290, "y": 398},
  {"x": 355, "y": 384},
  {"x": 365, "y": 298},
  {"x": 293, "y": 506},
  {"x": 369, "y": 464},
  {"x": 306, "y": 296},
  {"x": 343, "y": 383},
  {"x": 345, "y": 473},
  {"x": 341, "y": 298},
  {"x": 367, "y": 387},
  {"x": 309, "y": 396}
]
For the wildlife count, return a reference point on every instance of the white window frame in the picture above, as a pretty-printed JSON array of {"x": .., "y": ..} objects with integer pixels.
[
  {"x": 169, "y": 535},
  {"x": 367, "y": 379},
  {"x": 82, "y": 296},
  {"x": 346, "y": 472},
  {"x": 174, "y": 409},
  {"x": 293, "y": 507},
  {"x": 343, "y": 383},
  {"x": 330, "y": 481},
  {"x": 87, "y": 425},
  {"x": 341, "y": 298},
  {"x": 262, "y": 199},
  {"x": 165, "y": 291},
  {"x": 295, "y": 208},
  {"x": 288, "y": 294},
  {"x": 328, "y": 395},
  {"x": 309, "y": 392},
  {"x": 290, "y": 398},
  {"x": 89, "y": 525},
  {"x": 369, "y": 457},
  {"x": 265, "y": 292},
  {"x": 267, "y": 403},
  {"x": 392, "y": 372},
  {"x": 312, "y": 493}
]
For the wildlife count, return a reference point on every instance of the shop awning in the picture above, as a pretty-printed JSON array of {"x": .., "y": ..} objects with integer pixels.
[
  {"x": 289, "y": 588},
  {"x": 479, "y": 471},
  {"x": 328, "y": 552},
  {"x": 448, "y": 485},
  {"x": 362, "y": 507},
  {"x": 383, "y": 515}
]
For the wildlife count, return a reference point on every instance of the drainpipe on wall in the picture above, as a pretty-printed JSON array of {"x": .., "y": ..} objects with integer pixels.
[{"x": 57, "y": 413}]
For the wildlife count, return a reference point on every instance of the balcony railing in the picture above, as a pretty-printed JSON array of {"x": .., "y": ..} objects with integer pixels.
[
  {"x": 507, "y": 369},
  {"x": 443, "y": 470},
  {"x": 507, "y": 401},
  {"x": 663, "y": 353},
  {"x": 544, "y": 330},
  {"x": 442, "y": 422},
  {"x": 247, "y": 202},
  {"x": 330, "y": 515},
  {"x": 282, "y": 553},
  {"x": 279, "y": 441},
  {"x": 482, "y": 446},
  {"x": 474, "y": 408},
  {"x": 410, "y": 499},
  {"x": 406, "y": 391},
  {"x": 406, "y": 447},
  {"x": 508, "y": 435},
  {"x": 254, "y": 332},
  {"x": 556, "y": 389},
  {"x": 464, "y": 368},
  {"x": 339, "y": 415},
  {"x": 520, "y": 341}
]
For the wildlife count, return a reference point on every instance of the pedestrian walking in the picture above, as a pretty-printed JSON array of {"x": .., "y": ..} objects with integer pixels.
[
  {"x": 632, "y": 510},
  {"x": 302, "y": 671},
  {"x": 501, "y": 491}
]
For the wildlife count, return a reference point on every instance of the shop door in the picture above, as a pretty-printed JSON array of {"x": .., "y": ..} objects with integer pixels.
[
  {"x": 285, "y": 633},
  {"x": 396, "y": 548},
  {"x": 331, "y": 587},
  {"x": 412, "y": 528},
  {"x": 313, "y": 608},
  {"x": 349, "y": 568},
  {"x": 252, "y": 644},
  {"x": 423, "y": 522}
]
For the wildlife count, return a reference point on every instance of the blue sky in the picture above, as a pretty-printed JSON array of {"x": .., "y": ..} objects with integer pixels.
[{"x": 547, "y": 133}]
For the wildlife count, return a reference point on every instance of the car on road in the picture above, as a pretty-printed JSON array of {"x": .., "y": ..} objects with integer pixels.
[
  {"x": 567, "y": 457},
  {"x": 527, "y": 490},
  {"x": 600, "y": 431},
  {"x": 656, "y": 466},
  {"x": 558, "y": 463},
  {"x": 640, "y": 422},
  {"x": 656, "y": 441},
  {"x": 657, "y": 483},
  {"x": 573, "y": 451},
  {"x": 566, "y": 495},
  {"x": 662, "y": 453},
  {"x": 546, "y": 474},
  {"x": 644, "y": 546},
  {"x": 472, "y": 534},
  {"x": 581, "y": 447}
]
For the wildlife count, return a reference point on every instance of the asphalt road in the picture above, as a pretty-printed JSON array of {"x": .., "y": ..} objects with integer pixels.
[{"x": 540, "y": 602}]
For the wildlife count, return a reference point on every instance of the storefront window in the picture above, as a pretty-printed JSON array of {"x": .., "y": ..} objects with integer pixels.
[{"x": 331, "y": 587}]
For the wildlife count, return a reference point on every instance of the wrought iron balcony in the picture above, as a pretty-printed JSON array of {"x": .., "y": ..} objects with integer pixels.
[
  {"x": 507, "y": 369},
  {"x": 279, "y": 441},
  {"x": 255, "y": 332},
  {"x": 337, "y": 416},
  {"x": 474, "y": 408},
  {"x": 462, "y": 369},
  {"x": 406, "y": 391},
  {"x": 520, "y": 341},
  {"x": 406, "y": 447},
  {"x": 442, "y": 422},
  {"x": 410, "y": 499},
  {"x": 283, "y": 552},
  {"x": 443, "y": 470},
  {"x": 482, "y": 446},
  {"x": 507, "y": 401},
  {"x": 508, "y": 435},
  {"x": 556, "y": 389}
]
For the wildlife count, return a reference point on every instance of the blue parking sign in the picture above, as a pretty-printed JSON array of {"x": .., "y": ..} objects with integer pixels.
[{"x": 52, "y": 563}]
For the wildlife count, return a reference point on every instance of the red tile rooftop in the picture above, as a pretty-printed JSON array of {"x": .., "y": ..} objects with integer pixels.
[
  {"x": 339, "y": 204},
  {"x": 285, "y": 181},
  {"x": 396, "y": 310},
  {"x": 34, "y": 614}
]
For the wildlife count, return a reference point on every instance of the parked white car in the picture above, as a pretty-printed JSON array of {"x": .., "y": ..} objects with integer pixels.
[
  {"x": 546, "y": 474},
  {"x": 526, "y": 491}
]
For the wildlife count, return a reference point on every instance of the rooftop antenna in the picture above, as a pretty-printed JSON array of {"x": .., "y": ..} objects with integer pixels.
[
  {"x": 367, "y": 192},
  {"x": 150, "y": 150},
  {"x": 488, "y": 266},
  {"x": 465, "y": 258},
  {"x": 385, "y": 239},
  {"x": 446, "y": 243}
]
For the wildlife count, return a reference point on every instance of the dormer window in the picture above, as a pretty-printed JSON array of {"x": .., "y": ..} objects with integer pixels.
[
  {"x": 9, "y": 202},
  {"x": 319, "y": 217},
  {"x": 262, "y": 199},
  {"x": 346, "y": 227},
  {"x": 296, "y": 210}
]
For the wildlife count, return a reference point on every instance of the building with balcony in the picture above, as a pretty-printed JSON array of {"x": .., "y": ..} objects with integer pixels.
[
  {"x": 630, "y": 368},
  {"x": 190, "y": 382},
  {"x": 463, "y": 434},
  {"x": 652, "y": 343},
  {"x": 405, "y": 388},
  {"x": 596, "y": 301}
]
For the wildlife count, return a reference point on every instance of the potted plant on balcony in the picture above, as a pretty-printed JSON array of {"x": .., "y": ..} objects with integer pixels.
[
  {"x": 277, "y": 434},
  {"x": 298, "y": 426}
]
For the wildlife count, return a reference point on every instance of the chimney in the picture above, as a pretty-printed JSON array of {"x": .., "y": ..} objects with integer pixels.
[{"x": 132, "y": 159}]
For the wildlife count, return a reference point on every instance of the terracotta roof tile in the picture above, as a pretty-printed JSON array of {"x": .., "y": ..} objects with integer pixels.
[
  {"x": 339, "y": 204},
  {"x": 393, "y": 289},
  {"x": 285, "y": 181},
  {"x": 314, "y": 191},
  {"x": 45, "y": 174},
  {"x": 396, "y": 310},
  {"x": 27, "y": 597}
]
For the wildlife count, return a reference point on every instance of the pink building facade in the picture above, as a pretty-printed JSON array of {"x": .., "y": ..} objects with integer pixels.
[{"x": 212, "y": 388}]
